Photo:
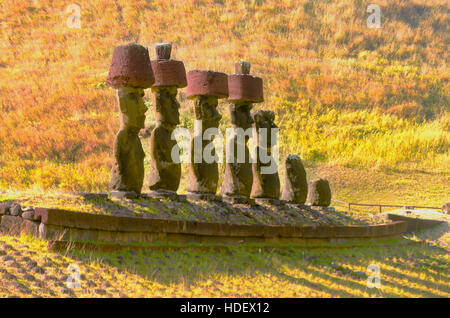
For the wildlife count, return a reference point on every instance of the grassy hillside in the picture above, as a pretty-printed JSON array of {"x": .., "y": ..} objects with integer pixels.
[
  {"x": 419, "y": 270},
  {"x": 345, "y": 95}
]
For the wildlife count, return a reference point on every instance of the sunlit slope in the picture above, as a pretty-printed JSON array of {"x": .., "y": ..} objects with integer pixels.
[{"x": 343, "y": 93}]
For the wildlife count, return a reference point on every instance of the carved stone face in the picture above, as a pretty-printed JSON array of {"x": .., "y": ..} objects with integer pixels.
[
  {"x": 132, "y": 107},
  {"x": 206, "y": 111},
  {"x": 167, "y": 106},
  {"x": 265, "y": 119},
  {"x": 240, "y": 115}
]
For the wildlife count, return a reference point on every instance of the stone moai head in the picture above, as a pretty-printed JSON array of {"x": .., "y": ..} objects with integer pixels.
[
  {"x": 169, "y": 76},
  {"x": 166, "y": 106},
  {"x": 132, "y": 107},
  {"x": 206, "y": 87},
  {"x": 264, "y": 119},
  {"x": 130, "y": 72},
  {"x": 295, "y": 184}
]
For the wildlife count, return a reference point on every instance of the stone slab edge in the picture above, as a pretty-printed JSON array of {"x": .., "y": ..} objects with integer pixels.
[
  {"x": 82, "y": 220},
  {"x": 414, "y": 224}
]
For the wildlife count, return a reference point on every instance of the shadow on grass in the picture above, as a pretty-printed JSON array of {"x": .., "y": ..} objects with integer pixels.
[{"x": 191, "y": 266}]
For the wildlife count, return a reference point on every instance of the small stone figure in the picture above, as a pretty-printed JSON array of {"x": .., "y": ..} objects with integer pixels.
[
  {"x": 446, "y": 208},
  {"x": 206, "y": 87},
  {"x": 165, "y": 172},
  {"x": 295, "y": 187},
  {"x": 319, "y": 193},
  {"x": 266, "y": 182},
  {"x": 130, "y": 73},
  {"x": 244, "y": 90}
]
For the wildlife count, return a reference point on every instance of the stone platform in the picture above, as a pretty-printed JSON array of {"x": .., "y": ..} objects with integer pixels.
[{"x": 79, "y": 226}]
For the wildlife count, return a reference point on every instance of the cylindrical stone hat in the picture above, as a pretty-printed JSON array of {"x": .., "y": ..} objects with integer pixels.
[
  {"x": 130, "y": 67},
  {"x": 168, "y": 72},
  {"x": 206, "y": 83},
  {"x": 243, "y": 86}
]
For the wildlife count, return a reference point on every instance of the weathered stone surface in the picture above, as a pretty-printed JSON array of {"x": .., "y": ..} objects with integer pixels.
[
  {"x": 165, "y": 171},
  {"x": 29, "y": 215},
  {"x": 84, "y": 226},
  {"x": 5, "y": 207},
  {"x": 238, "y": 176},
  {"x": 130, "y": 67},
  {"x": 204, "y": 172},
  {"x": 124, "y": 194},
  {"x": 163, "y": 194},
  {"x": 163, "y": 51},
  {"x": 319, "y": 193},
  {"x": 206, "y": 83},
  {"x": 128, "y": 168},
  {"x": 201, "y": 196},
  {"x": 268, "y": 201},
  {"x": 243, "y": 87},
  {"x": 446, "y": 208},
  {"x": 15, "y": 209},
  {"x": 266, "y": 184},
  {"x": 242, "y": 67},
  {"x": 16, "y": 225},
  {"x": 414, "y": 223},
  {"x": 168, "y": 72},
  {"x": 295, "y": 188}
]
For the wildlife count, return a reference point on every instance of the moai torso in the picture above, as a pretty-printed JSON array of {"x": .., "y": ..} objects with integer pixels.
[
  {"x": 266, "y": 182},
  {"x": 165, "y": 172},
  {"x": 203, "y": 176},
  {"x": 295, "y": 187},
  {"x": 238, "y": 176},
  {"x": 128, "y": 168}
]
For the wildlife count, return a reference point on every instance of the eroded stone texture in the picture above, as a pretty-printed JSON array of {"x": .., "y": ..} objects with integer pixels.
[
  {"x": 206, "y": 87},
  {"x": 128, "y": 168},
  {"x": 295, "y": 187},
  {"x": 238, "y": 176},
  {"x": 446, "y": 208},
  {"x": 130, "y": 67},
  {"x": 244, "y": 87},
  {"x": 165, "y": 172},
  {"x": 319, "y": 193},
  {"x": 165, "y": 167},
  {"x": 266, "y": 182},
  {"x": 244, "y": 90},
  {"x": 130, "y": 72}
]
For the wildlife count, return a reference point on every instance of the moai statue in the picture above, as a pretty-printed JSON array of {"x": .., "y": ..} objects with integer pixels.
[
  {"x": 130, "y": 72},
  {"x": 295, "y": 184},
  {"x": 319, "y": 194},
  {"x": 165, "y": 171},
  {"x": 244, "y": 90},
  {"x": 205, "y": 87},
  {"x": 266, "y": 182}
]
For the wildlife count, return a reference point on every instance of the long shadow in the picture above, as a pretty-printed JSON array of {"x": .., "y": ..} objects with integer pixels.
[
  {"x": 192, "y": 266},
  {"x": 418, "y": 281},
  {"x": 312, "y": 285}
]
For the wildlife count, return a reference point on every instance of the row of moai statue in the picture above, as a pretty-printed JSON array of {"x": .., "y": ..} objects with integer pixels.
[{"x": 131, "y": 72}]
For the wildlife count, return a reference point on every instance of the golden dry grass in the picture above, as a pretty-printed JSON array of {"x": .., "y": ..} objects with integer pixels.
[
  {"x": 343, "y": 93},
  {"x": 406, "y": 271}
]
